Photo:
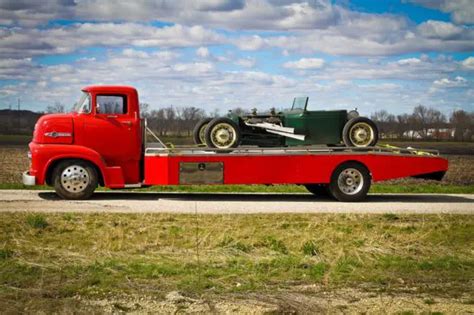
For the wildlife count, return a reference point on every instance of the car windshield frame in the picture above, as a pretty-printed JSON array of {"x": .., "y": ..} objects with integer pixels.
[
  {"x": 79, "y": 106},
  {"x": 300, "y": 103}
]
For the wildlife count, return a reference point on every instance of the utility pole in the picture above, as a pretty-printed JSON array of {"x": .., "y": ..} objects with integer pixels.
[{"x": 19, "y": 116}]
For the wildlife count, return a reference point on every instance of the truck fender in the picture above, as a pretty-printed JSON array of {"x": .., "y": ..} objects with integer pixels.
[{"x": 111, "y": 176}]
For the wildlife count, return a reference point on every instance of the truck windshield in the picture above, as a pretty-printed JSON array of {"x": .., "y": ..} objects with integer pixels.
[{"x": 83, "y": 105}]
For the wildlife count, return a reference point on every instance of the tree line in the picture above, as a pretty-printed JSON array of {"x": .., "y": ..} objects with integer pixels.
[{"x": 424, "y": 123}]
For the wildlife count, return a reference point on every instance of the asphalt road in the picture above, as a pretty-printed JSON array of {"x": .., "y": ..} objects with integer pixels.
[{"x": 30, "y": 200}]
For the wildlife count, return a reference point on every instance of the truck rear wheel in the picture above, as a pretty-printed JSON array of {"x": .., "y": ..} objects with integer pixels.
[
  {"x": 320, "y": 190},
  {"x": 360, "y": 132},
  {"x": 222, "y": 133},
  {"x": 199, "y": 131},
  {"x": 75, "y": 179},
  {"x": 350, "y": 182}
]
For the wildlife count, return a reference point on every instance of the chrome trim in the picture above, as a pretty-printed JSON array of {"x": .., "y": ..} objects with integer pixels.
[
  {"x": 138, "y": 185},
  {"x": 54, "y": 134},
  {"x": 28, "y": 180}
]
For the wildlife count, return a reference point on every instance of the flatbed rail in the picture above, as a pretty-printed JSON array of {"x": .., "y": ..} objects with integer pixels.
[{"x": 247, "y": 150}]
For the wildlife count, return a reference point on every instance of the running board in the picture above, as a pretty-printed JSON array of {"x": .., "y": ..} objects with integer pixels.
[
  {"x": 279, "y": 130},
  {"x": 288, "y": 135},
  {"x": 272, "y": 127}
]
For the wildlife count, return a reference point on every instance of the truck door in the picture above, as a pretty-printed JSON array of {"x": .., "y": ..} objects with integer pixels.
[{"x": 113, "y": 130}]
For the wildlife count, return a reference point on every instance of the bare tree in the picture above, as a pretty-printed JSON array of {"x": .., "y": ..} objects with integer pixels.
[
  {"x": 56, "y": 108},
  {"x": 462, "y": 122}
]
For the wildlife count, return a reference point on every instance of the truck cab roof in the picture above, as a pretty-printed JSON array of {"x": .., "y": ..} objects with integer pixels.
[{"x": 110, "y": 89}]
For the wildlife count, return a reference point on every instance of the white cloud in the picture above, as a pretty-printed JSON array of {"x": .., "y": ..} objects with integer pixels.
[
  {"x": 468, "y": 63},
  {"x": 30, "y": 42},
  {"x": 305, "y": 63},
  {"x": 462, "y": 11},
  {"x": 246, "y": 62},
  {"x": 448, "y": 83},
  {"x": 439, "y": 29},
  {"x": 202, "y": 52},
  {"x": 409, "y": 61}
]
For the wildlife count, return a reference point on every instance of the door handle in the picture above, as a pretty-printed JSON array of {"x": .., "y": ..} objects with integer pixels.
[{"x": 128, "y": 123}]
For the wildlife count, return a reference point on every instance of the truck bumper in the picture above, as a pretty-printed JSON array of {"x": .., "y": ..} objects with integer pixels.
[{"x": 28, "y": 180}]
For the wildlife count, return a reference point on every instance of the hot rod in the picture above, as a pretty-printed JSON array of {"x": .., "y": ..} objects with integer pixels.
[{"x": 297, "y": 126}]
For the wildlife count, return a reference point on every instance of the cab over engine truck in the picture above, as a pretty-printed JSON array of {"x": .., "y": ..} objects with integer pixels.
[{"x": 102, "y": 142}]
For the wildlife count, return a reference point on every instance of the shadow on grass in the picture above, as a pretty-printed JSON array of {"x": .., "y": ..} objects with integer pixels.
[{"x": 264, "y": 197}]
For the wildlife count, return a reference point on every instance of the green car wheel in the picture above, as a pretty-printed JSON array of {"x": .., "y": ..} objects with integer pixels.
[
  {"x": 360, "y": 132},
  {"x": 222, "y": 133},
  {"x": 199, "y": 131}
]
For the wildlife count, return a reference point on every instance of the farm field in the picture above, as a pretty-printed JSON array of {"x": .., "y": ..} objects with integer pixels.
[{"x": 240, "y": 263}]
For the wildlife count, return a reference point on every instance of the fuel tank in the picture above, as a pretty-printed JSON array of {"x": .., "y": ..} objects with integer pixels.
[{"x": 54, "y": 129}]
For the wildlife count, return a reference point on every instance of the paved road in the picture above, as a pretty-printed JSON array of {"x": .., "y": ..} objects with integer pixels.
[{"x": 29, "y": 200}]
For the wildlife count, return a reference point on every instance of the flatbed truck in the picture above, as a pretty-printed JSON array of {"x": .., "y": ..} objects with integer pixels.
[{"x": 103, "y": 143}]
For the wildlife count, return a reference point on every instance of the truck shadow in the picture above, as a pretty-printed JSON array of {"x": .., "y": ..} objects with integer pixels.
[{"x": 252, "y": 197}]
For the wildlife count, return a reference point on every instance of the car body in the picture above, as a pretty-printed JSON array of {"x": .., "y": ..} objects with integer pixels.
[{"x": 297, "y": 126}]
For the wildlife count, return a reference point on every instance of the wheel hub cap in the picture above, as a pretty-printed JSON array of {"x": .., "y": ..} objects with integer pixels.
[
  {"x": 361, "y": 134},
  {"x": 223, "y": 135},
  {"x": 75, "y": 179},
  {"x": 350, "y": 181}
]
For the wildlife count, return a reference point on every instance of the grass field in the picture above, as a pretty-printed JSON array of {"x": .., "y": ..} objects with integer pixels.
[{"x": 66, "y": 262}]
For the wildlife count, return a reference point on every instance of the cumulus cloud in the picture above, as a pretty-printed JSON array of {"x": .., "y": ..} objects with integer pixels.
[
  {"x": 305, "y": 64},
  {"x": 450, "y": 83},
  {"x": 468, "y": 63},
  {"x": 18, "y": 42},
  {"x": 203, "y": 52},
  {"x": 462, "y": 11}
]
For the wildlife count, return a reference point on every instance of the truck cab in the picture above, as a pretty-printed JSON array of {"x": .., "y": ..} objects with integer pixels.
[{"x": 99, "y": 142}]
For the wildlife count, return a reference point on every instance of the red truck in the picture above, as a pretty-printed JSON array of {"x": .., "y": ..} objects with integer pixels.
[{"x": 103, "y": 142}]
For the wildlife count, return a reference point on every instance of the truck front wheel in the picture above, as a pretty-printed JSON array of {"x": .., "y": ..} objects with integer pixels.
[
  {"x": 350, "y": 182},
  {"x": 75, "y": 179}
]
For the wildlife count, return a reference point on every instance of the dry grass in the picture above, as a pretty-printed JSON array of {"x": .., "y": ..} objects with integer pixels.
[{"x": 47, "y": 259}]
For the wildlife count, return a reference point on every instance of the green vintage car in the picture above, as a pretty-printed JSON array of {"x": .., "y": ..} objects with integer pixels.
[{"x": 295, "y": 127}]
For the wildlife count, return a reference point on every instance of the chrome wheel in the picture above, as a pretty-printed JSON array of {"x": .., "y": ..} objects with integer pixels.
[
  {"x": 361, "y": 134},
  {"x": 75, "y": 179},
  {"x": 223, "y": 135},
  {"x": 350, "y": 181}
]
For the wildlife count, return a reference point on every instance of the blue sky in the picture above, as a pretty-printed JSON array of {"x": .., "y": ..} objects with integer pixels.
[{"x": 221, "y": 54}]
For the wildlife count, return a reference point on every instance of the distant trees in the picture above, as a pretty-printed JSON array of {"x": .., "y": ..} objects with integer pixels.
[
  {"x": 56, "y": 108},
  {"x": 425, "y": 123}
]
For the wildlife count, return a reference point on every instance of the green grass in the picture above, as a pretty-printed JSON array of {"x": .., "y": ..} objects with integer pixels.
[
  {"x": 376, "y": 188},
  {"x": 91, "y": 254},
  {"x": 49, "y": 258}
]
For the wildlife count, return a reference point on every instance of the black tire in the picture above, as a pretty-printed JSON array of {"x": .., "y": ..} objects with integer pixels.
[
  {"x": 200, "y": 131},
  {"x": 227, "y": 124},
  {"x": 320, "y": 190},
  {"x": 350, "y": 182},
  {"x": 81, "y": 182},
  {"x": 368, "y": 128}
]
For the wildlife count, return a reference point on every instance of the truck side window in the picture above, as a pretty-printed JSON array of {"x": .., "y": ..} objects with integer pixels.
[{"x": 112, "y": 104}]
